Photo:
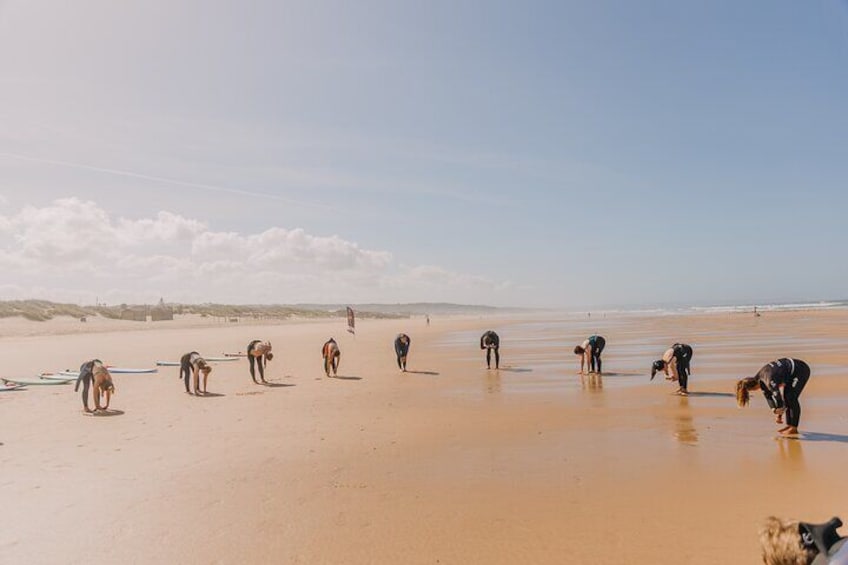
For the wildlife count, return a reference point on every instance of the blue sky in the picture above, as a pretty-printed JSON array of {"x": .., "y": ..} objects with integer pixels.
[{"x": 576, "y": 154}]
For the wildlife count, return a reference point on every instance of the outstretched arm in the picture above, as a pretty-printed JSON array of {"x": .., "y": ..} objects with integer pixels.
[{"x": 774, "y": 398}]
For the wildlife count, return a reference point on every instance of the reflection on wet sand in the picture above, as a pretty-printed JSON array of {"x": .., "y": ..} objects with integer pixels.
[
  {"x": 684, "y": 424},
  {"x": 493, "y": 382},
  {"x": 790, "y": 452},
  {"x": 592, "y": 382}
]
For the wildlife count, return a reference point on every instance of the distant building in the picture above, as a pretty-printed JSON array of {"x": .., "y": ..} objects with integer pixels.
[{"x": 134, "y": 314}]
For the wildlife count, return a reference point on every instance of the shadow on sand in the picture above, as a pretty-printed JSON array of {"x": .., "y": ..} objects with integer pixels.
[
  {"x": 276, "y": 385},
  {"x": 350, "y": 378},
  {"x": 210, "y": 395},
  {"x": 820, "y": 437},
  {"x": 605, "y": 374},
  {"x": 431, "y": 373},
  {"x": 105, "y": 413},
  {"x": 515, "y": 369},
  {"x": 713, "y": 394}
]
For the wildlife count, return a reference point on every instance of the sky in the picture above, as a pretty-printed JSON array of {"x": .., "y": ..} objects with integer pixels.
[{"x": 576, "y": 154}]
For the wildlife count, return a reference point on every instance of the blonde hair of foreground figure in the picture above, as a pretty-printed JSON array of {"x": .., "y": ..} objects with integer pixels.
[
  {"x": 780, "y": 541},
  {"x": 743, "y": 390}
]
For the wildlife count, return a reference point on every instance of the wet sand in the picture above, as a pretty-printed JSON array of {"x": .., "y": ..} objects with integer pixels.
[{"x": 449, "y": 463}]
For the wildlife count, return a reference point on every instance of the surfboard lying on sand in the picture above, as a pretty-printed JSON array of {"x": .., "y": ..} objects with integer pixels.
[
  {"x": 113, "y": 370},
  {"x": 8, "y": 386},
  {"x": 34, "y": 381},
  {"x": 210, "y": 359},
  {"x": 239, "y": 354},
  {"x": 54, "y": 377}
]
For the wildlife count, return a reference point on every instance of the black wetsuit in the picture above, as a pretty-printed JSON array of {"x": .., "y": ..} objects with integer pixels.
[
  {"x": 186, "y": 365},
  {"x": 402, "y": 350},
  {"x": 792, "y": 375},
  {"x": 597, "y": 343},
  {"x": 490, "y": 341},
  {"x": 86, "y": 377},
  {"x": 683, "y": 357},
  {"x": 253, "y": 360}
]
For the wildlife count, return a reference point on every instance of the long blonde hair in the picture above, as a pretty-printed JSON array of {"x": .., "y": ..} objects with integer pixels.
[
  {"x": 744, "y": 388},
  {"x": 780, "y": 541}
]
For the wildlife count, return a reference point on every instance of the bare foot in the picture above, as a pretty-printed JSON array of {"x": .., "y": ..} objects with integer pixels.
[{"x": 790, "y": 431}]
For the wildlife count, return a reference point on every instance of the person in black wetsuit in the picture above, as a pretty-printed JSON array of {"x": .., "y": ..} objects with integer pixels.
[
  {"x": 490, "y": 341},
  {"x": 781, "y": 382},
  {"x": 191, "y": 365},
  {"x": 402, "y": 343},
  {"x": 675, "y": 364},
  {"x": 259, "y": 353},
  {"x": 86, "y": 377},
  {"x": 590, "y": 353}
]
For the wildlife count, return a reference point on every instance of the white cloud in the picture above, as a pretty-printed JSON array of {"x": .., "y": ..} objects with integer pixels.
[{"x": 75, "y": 250}]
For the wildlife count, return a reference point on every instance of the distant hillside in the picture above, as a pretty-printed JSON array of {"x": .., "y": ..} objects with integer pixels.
[{"x": 41, "y": 310}]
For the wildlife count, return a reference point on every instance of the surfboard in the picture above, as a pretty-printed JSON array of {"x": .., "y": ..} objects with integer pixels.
[
  {"x": 54, "y": 377},
  {"x": 113, "y": 370},
  {"x": 32, "y": 381},
  {"x": 235, "y": 354},
  {"x": 209, "y": 359},
  {"x": 8, "y": 386}
]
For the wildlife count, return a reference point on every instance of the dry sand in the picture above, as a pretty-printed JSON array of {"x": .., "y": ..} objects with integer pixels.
[{"x": 449, "y": 463}]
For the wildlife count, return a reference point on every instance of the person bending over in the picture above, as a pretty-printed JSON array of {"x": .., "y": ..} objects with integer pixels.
[
  {"x": 192, "y": 365},
  {"x": 86, "y": 378},
  {"x": 402, "y": 343},
  {"x": 675, "y": 364},
  {"x": 258, "y": 354},
  {"x": 781, "y": 382},
  {"x": 491, "y": 342},
  {"x": 332, "y": 355},
  {"x": 590, "y": 353}
]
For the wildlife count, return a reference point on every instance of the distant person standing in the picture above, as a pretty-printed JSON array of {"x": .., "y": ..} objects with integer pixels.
[
  {"x": 332, "y": 355},
  {"x": 590, "y": 353},
  {"x": 491, "y": 342},
  {"x": 781, "y": 382},
  {"x": 675, "y": 364},
  {"x": 402, "y": 343},
  {"x": 427, "y": 317}
]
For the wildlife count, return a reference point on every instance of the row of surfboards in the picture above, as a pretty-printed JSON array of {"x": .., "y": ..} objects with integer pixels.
[{"x": 65, "y": 377}]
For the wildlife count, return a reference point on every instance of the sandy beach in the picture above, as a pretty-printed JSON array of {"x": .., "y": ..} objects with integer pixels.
[{"x": 448, "y": 463}]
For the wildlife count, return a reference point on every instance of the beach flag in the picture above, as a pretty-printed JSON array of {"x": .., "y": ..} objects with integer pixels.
[{"x": 351, "y": 321}]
